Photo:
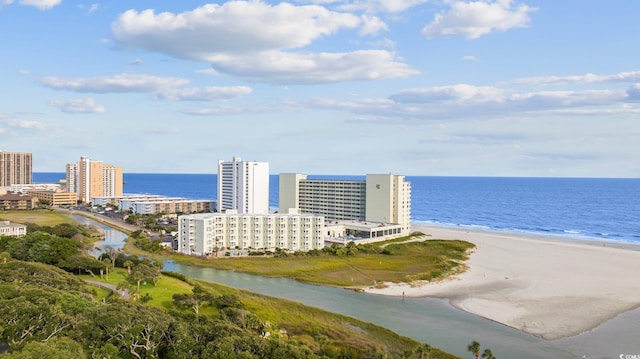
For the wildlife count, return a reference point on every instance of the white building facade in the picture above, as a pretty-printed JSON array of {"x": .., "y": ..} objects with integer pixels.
[
  {"x": 243, "y": 186},
  {"x": 207, "y": 233},
  {"x": 12, "y": 229},
  {"x": 380, "y": 198}
]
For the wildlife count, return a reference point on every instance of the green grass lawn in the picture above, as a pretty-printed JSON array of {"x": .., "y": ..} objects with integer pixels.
[
  {"x": 406, "y": 262},
  {"x": 161, "y": 293},
  {"x": 39, "y": 217}
]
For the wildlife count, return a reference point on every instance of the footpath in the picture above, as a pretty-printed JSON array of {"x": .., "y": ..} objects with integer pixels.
[{"x": 124, "y": 294}]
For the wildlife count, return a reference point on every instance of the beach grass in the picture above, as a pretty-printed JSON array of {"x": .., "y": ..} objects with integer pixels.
[
  {"x": 317, "y": 328},
  {"x": 400, "y": 262}
]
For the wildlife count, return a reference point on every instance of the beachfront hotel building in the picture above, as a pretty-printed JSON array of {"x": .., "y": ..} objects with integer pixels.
[
  {"x": 208, "y": 233},
  {"x": 15, "y": 168},
  {"x": 89, "y": 179},
  {"x": 376, "y": 208},
  {"x": 243, "y": 186}
]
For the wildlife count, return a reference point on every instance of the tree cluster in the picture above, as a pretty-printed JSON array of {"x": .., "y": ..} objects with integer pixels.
[
  {"x": 48, "y": 314},
  {"x": 61, "y": 251}
]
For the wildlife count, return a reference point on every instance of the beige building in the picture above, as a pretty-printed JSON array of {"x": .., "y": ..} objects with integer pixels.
[
  {"x": 91, "y": 179},
  {"x": 203, "y": 234},
  {"x": 55, "y": 198},
  {"x": 12, "y": 229},
  {"x": 379, "y": 206},
  {"x": 15, "y": 168}
]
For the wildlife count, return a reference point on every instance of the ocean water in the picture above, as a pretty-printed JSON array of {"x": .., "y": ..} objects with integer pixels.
[{"x": 590, "y": 208}]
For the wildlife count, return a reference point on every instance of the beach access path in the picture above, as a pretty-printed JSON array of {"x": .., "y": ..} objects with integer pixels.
[{"x": 551, "y": 287}]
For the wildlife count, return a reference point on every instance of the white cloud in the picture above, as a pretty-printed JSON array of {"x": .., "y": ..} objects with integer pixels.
[
  {"x": 28, "y": 125},
  {"x": 456, "y": 93},
  {"x": 24, "y": 72},
  {"x": 205, "y": 94},
  {"x": 136, "y": 62},
  {"x": 477, "y": 18},
  {"x": 378, "y": 6},
  {"x": 115, "y": 83},
  {"x": 40, "y": 4},
  {"x": 93, "y": 8},
  {"x": 258, "y": 41},
  {"x": 208, "y": 72},
  {"x": 630, "y": 76},
  {"x": 234, "y": 27},
  {"x": 291, "y": 68},
  {"x": 467, "y": 101},
  {"x": 78, "y": 105},
  {"x": 215, "y": 111},
  {"x": 372, "y": 25},
  {"x": 469, "y": 58},
  {"x": 633, "y": 93}
]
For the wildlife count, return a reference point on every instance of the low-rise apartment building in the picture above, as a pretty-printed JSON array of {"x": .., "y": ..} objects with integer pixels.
[
  {"x": 206, "y": 233},
  {"x": 17, "y": 202},
  {"x": 155, "y": 204},
  {"x": 55, "y": 198}
]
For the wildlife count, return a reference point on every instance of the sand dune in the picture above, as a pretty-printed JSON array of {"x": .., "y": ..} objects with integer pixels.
[{"x": 547, "y": 286}]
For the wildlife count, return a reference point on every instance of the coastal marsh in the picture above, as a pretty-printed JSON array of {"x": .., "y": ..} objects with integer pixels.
[{"x": 398, "y": 262}]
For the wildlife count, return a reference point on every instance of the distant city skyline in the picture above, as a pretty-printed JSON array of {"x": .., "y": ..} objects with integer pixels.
[{"x": 531, "y": 88}]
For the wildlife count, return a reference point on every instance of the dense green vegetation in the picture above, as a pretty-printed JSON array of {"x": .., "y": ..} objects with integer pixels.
[
  {"x": 52, "y": 313},
  {"x": 398, "y": 260},
  {"x": 48, "y": 313}
]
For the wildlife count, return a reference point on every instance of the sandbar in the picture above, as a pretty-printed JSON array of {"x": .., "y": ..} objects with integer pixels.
[{"x": 551, "y": 287}]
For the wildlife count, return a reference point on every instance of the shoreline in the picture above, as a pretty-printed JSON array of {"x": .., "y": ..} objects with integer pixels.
[{"x": 552, "y": 287}]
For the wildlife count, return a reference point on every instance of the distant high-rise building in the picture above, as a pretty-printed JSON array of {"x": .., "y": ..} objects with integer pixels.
[
  {"x": 243, "y": 186},
  {"x": 72, "y": 177},
  {"x": 91, "y": 179},
  {"x": 15, "y": 168}
]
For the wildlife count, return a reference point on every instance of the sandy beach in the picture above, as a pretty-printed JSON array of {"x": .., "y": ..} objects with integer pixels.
[{"x": 551, "y": 287}]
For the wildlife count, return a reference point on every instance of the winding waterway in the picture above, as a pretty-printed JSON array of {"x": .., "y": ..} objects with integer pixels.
[{"x": 424, "y": 319}]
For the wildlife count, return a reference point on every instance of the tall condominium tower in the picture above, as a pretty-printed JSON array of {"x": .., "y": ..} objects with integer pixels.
[
  {"x": 91, "y": 179},
  {"x": 72, "y": 177},
  {"x": 383, "y": 198},
  {"x": 243, "y": 186},
  {"x": 15, "y": 168}
]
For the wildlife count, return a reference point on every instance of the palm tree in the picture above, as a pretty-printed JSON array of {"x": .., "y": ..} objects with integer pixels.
[
  {"x": 474, "y": 348},
  {"x": 487, "y": 354},
  {"x": 128, "y": 264},
  {"x": 423, "y": 351}
]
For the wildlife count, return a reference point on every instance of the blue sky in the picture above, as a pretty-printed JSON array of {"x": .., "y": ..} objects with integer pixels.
[{"x": 414, "y": 87}]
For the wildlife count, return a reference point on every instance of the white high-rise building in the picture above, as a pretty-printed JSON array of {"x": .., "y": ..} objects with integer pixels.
[
  {"x": 243, "y": 186},
  {"x": 72, "y": 177}
]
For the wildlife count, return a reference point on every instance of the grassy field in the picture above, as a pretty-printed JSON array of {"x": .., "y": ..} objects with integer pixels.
[
  {"x": 161, "y": 293},
  {"x": 404, "y": 262},
  {"x": 40, "y": 217}
]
